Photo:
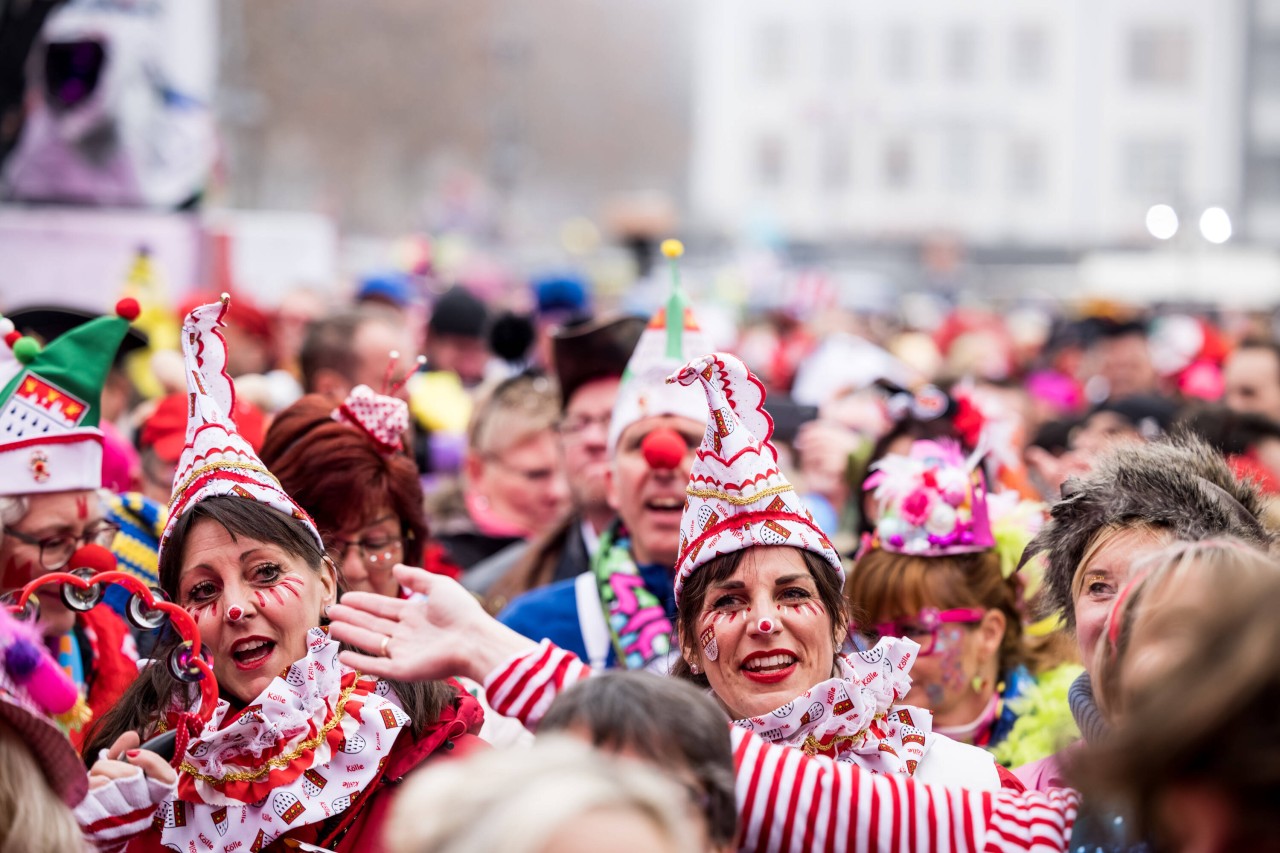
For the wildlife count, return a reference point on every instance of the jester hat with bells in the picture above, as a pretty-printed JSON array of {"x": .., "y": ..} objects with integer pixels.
[
  {"x": 737, "y": 496},
  {"x": 217, "y": 460}
]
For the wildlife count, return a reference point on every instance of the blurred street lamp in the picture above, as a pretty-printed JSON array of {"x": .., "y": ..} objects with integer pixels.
[
  {"x": 1162, "y": 221},
  {"x": 1215, "y": 225}
]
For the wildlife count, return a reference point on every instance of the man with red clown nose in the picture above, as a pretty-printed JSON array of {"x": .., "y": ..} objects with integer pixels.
[{"x": 619, "y": 613}]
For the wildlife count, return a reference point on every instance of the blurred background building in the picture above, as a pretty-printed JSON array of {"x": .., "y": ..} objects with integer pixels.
[{"x": 1003, "y": 122}]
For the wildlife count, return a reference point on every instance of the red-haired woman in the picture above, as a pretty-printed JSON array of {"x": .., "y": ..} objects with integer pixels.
[{"x": 348, "y": 468}]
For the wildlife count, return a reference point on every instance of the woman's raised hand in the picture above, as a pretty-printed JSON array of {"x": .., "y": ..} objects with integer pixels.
[{"x": 448, "y": 634}]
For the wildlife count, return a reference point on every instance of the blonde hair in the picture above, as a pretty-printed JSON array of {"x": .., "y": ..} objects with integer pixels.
[
  {"x": 511, "y": 412},
  {"x": 514, "y": 801},
  {"x": 1208, "y": 719},
  {"x": 1169, "y": 588},
  {"x": 13, "y": 508},
  {"x": 32, "y": 817},
  {"x": 1105, "y": 537}
]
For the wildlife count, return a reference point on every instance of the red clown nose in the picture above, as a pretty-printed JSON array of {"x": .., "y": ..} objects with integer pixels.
[{"x": 663, "y": 449}]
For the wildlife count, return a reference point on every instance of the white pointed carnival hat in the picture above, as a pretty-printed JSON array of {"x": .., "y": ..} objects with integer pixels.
[
  {"x": 737, "y": 495},
  {"x": 671, "y": 338},
  {"x": 217, "y": 460}
]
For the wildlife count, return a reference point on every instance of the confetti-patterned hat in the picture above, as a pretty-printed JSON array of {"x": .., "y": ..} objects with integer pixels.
[
  {"x": 737, "y": 496},
  {"x": 217, "y": 460}
]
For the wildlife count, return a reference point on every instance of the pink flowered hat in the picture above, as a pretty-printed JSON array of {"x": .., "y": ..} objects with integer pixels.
[
  {"x": 932, "y": 501},
  {"x": 737, "y": 496},
  {"x": 217, "y": 460}
]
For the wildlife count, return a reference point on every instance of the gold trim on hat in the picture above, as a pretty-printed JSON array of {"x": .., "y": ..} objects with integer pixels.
[
  {"x": 213, "y": 466},
  {"x": 739, "y": 500}
]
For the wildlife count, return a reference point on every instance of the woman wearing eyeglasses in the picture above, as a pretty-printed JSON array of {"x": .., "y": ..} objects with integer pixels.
[
  {"x": 50, "y": 479},
  {"x": 933, "y": 572},
  {"x": 346, "y": 466}
]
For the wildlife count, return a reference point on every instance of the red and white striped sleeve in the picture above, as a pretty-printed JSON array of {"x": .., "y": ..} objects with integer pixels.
[
  {"x": 112, "y": 815},
  {"x": 790, "y": 801},
  {"x": 525, "y": 686}
]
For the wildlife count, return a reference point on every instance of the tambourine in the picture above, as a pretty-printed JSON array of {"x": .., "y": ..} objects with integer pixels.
[{"x": 149, "y": 608}]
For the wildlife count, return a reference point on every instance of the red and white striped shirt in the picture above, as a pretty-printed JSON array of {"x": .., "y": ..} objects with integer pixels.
[{"x": 790, "y": 801}]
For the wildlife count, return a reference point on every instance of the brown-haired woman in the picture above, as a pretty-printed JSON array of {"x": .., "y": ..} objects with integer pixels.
[
  {"x": 298, "y": 746},
  {"x": 932, "y": 573},
  {"x": 348, "y": 469}
]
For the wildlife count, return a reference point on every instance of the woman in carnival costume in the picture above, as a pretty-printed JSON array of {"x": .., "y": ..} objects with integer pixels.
[
  {"x": 825, "y": 754},
  {"x": 50, "y": 478},
  {"x": 1136, "y": 501},
  {"x": 299, "y": 747},
  {"x": 940, "y": 570}
]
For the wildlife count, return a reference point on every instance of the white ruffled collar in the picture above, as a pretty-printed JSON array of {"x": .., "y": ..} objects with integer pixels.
[{"x": 853, "y": 716}]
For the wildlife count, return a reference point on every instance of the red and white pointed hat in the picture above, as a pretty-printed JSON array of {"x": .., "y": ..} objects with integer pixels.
[
  {"x": 737, "y": 496},
  {"x": 217, "y": 460}
]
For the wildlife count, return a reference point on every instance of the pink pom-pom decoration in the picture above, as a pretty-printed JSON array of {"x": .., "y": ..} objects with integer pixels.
[
  {"x": 917, "y": 506},
  {"x": 51, "y": 688}
]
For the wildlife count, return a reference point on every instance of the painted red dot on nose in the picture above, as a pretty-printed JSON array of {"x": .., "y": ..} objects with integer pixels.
[{"x": 663, "y": 448}]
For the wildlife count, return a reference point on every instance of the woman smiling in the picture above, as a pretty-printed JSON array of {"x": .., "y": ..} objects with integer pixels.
[{"x": 760, "y": 621}]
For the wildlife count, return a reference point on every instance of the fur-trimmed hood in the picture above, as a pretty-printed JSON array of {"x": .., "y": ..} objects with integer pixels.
[{"x": 1180, "y": 484}]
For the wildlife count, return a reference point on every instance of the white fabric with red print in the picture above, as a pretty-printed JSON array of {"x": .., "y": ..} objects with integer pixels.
[{"x": 852, "y": 716}]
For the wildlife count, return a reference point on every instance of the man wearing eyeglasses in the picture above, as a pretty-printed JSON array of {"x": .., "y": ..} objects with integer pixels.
[
  {"x": 50, "y": 480},
  {"x": 588, "y": 358},
  {"x": 618, "y": 612}
]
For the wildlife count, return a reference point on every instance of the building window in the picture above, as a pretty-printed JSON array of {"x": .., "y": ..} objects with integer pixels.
[
  {"x": 1159, "y": 56},
  {"x": 1266, "y": 65},
  {"x": 960, "y": 168},
  {"x": 839, "y": 51},
  {"x": 898, "y": 165},
  {"x": 899, "y": 54},
  {"x": 962, "y": 54},
  {"x": 1264, "y": 178},
  {"x": 1154, "y": 169},
  {"x": 772, "y": 52},
  {"x": 1029, "y": 58},
  {"x": 837, "y": 162},
  {"x": 1026, "y": 167},
  {"x": 770, "y": 162}
]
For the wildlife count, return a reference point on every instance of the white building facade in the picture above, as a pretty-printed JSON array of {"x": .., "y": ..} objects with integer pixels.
[{"x": 1002, "y": 122}]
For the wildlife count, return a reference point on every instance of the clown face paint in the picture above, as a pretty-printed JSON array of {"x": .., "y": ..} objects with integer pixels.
[
  {"x": 48, "y": 515},
  {"x": 278, "y": 595},
  {"x": 756, "y": 671},
  {"x": 938, "y": 680},
  {"x": 710, "y": 649}
]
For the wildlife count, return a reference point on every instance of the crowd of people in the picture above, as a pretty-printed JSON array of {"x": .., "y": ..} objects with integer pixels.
[{"x": 467, "y": 579}]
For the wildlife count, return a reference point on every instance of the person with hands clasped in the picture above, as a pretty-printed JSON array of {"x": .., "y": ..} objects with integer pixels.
[{"x": 820, "y": 741}]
